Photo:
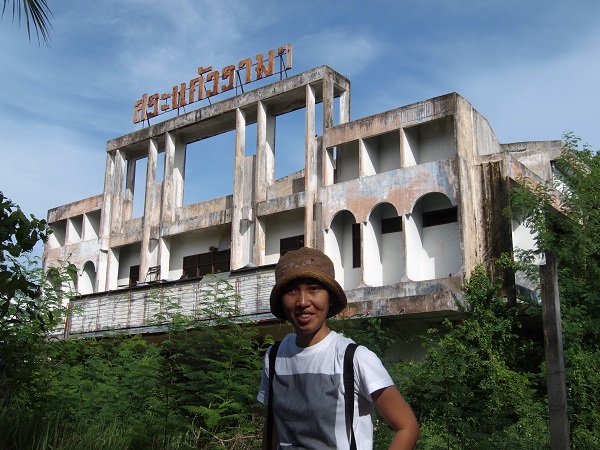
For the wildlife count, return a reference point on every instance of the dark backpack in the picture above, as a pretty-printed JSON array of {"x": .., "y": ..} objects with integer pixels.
[{"x": 348, "y": 377}]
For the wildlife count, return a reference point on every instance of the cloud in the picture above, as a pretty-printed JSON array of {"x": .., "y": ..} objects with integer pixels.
[{"x": 346, "y": 51}]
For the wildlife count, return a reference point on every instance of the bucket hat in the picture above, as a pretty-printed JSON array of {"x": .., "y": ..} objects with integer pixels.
[{"x": 306, "y": 262}]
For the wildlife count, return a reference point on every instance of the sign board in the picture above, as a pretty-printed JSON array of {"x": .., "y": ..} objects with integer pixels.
[{"x": 211, "y": 82}]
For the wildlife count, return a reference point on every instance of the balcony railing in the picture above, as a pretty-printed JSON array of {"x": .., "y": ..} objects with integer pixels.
[{"x": 150, "y": 306}]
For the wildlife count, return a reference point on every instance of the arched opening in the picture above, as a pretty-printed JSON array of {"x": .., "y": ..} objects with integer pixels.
[
  {"x": 383, "y": 243},
  {"x": 433, "y": 239},
  {"x": 343, "y": 246},
  {"x": 87, "y": 279}
]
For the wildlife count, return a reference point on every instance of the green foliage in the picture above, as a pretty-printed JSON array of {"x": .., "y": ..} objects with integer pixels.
[
  {"x": 572, "y": 234},
  {"x": 477, "y": 386},
  {"x": 195, "y": 389},
  {"x": 107, "y": 379},
  {"x": 18, "y": 236},
  {"x": 31, "y": 307},
  {"x": 375, "y": 333},
  {"x": 214, "y": 370},
  {"x": 36, "y": 13},
  {"x": 25, "y": 330}
]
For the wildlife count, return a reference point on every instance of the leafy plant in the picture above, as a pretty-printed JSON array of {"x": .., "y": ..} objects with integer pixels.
[
  {"x": 479, "y": 380},
  {"x": 571, "y": 233}
]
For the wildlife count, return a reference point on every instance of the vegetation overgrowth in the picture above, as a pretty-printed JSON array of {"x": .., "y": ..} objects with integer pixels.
[{"x": 480, "y": 385}]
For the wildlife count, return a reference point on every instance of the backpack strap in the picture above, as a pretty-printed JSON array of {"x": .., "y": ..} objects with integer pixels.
[
  {"x": 349, "y": 390},
  {"x": 270, "y": 424}
]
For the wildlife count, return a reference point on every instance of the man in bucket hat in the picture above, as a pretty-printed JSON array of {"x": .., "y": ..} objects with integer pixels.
[{"x": 308, "y": 405}]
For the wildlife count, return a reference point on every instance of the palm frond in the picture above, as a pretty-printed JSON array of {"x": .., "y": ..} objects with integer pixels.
[{"x": 33, "y": 12}]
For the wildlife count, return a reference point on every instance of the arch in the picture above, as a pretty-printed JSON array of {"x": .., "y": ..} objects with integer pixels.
[
  {"x": 57, "y": 277},
  {"x": 338, "y": 246},
  {"x": 86, "y": 283},
  {"x": 433, "y": 244},
  {"x": 51, "y": 277},
  {"x": 383, "y": 244}
]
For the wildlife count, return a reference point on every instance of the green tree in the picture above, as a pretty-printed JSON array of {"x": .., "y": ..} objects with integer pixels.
[
  {"x": 18, "y": 237},
  {"x": 478, "y": 385},
  {"x": 33, "y": 12},
  {"x": 30, "y": 305},
  {"x": 213, "y": 369},
  {"x": 566, "y": 220}
]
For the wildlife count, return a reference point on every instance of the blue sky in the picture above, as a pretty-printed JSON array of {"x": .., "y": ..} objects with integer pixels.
[{"x": 532, "y": 68}]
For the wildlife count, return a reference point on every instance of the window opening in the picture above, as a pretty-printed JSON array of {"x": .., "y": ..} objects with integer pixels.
[
  {"x": 356, "y": 256},
  {"x": 160, "y": 167},
  {"x": 134, "y": 275},
  {"x": 290, "y": 152},
  {"x": 209, "y": 168},
  {"x": 440, "y": 217},
  {"x": 195, "y": 266},
  {"x": 139, "y": 187},
  {"x": 391, "y": 225},
  {"x": 250, "y": 147},
  {"x": 290, "y": 243}
]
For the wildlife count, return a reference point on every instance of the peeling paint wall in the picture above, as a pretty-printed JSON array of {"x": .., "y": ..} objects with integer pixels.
[{"x": 406, "y": 202}]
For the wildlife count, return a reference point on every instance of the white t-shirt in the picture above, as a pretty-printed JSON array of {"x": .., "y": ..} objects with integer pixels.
[{"x": 308, "y": 387}]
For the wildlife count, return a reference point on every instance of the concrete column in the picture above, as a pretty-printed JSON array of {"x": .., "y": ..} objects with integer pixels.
[
  {"x": 116, "y": 219},
  {"x": 259, "y": 242},
  {"x": 109, "y": 181},
  {"x": 172, "y": 195},
  {"x": 168, "y": 186},
  {"x": 365, "y": 166},
  {"x": 242, "y": 215},
  {"x": 113, "y": 269},
  {"x": 555, "y": 363},
  {"x": 310, "y": 169},
  {"x": 149, "y": 247},
  {"x": 105, "y": 223},
  {"x": 179, "y": 172},
  {"x": 264, "y": 175},
  {"x": 345, "y": 107},
  {"x": 327, "y": 102},
  {"x": 265, "y": 152},
  {"x": 164, "y": 257},
  {"x": 127, "y": 196}
]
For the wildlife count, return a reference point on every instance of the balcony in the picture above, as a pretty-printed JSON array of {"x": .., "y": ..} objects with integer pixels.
[{"x": 149, "y": 307}]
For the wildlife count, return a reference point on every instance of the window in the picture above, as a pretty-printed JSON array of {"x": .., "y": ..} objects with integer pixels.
[
  {"x": 290, "y": 243},
  {"x": 215, "y": 261},
  {"x": 134, "y": 275},
  {"x": 356, "y": 245},
  {"x": 391, "y": 225},
  {"x": 440, "y": 217}
]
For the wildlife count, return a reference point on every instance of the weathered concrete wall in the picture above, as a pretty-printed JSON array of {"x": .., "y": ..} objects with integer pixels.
[
  {"x": 75, "y": 209},
  {"x": 401, "y": 188},
  {"x": 436, "y": 154}
]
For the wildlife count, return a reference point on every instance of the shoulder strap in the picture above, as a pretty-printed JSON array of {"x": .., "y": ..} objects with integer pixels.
[
  {"x": 349, "y": 390},
  {"x": 272, "y": 356}
]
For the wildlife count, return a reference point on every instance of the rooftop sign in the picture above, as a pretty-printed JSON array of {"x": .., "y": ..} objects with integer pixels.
[{"x": 207, "y": 83}]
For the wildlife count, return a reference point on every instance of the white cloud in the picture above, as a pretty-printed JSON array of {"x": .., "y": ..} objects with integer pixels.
[{"x": 348, "y": 51}]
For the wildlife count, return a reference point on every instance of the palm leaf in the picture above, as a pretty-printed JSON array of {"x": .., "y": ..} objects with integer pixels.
[{"x": 34, "y": 12}]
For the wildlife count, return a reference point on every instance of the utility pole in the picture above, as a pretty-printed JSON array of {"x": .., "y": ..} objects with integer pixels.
[{"x": 555, "y": 363}]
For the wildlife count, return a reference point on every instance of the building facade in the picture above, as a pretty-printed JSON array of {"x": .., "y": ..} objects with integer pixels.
[{"x": 406, "y": 203}]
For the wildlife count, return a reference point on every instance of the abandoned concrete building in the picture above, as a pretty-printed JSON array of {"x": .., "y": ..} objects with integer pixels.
[{"x": 406, "y": 203}]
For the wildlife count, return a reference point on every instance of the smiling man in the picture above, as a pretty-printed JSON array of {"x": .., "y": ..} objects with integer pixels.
[{"x": 308, "y": 403}]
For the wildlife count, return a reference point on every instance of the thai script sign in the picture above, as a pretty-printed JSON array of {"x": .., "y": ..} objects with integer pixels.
[{"x": 208, "y": 83}]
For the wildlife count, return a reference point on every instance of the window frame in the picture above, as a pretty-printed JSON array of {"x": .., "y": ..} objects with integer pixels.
[
  {"x": 295, "y": 242},
  {"x": 440, "y": 217},
  {"x": 195, "y": 266}
]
